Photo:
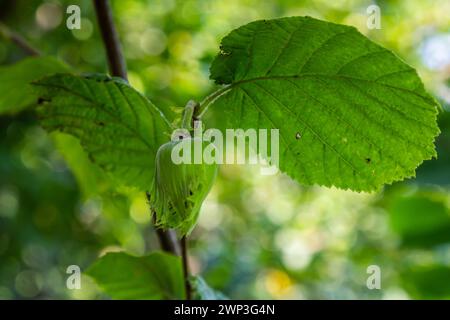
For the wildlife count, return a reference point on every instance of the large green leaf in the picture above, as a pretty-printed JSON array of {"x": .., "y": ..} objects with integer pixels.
[
  {"x": 156, "y": 276},
  {"x": 119, "y": 128},
  {"x": 350, "y": 113},
  {"x": 16, "y": 92}
]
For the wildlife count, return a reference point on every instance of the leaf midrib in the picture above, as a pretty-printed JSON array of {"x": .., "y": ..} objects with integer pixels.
[
  {"x": 304, "y": 75},
  {"x": 218, "y": 93}
]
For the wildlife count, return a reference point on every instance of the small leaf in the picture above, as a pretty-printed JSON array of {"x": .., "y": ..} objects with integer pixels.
[
  {"x": 202, "y": 291},
  {"x": 119, "y": 128},
  {"x": 16, "y": 93},
  {"x": 421, "y": 220},
  {"x": 156, "y": 276},
  {"x": 427, "y": 282},
  {"x": 363, "y": 115}
]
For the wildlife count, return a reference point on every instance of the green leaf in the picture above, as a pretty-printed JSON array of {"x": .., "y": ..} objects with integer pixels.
[
  {"x": 421, "y": 220},
  {"x": 156, "y": 276},
  {"x": 119, "y": 128},
  {"x": 91, "y": 179},
  {"x": 350, "y": 113},
  {"x": 16, "y": 93},
  {"x": 202, "y": 291},
  {"x": 427, "y": 282}
]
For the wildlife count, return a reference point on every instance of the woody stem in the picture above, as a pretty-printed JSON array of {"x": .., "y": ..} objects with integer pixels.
[
  {"x": 184, "y": 255},
  {"x": 117, "y": 67}
]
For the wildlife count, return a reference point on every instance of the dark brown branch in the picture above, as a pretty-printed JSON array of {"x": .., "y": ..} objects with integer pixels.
[
  {"x": 184, "y": 255},
  {"x": 167, "y": 239},
  {"x": 18, "y": 40},
  {"x": 116, "y": 61}
]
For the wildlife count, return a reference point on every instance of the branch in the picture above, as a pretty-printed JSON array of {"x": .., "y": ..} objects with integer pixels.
[
  {"x": 184, "y": 255},
  {"x": 167, "y": 239},
  {"x": 116, "y": 61},
  {"x": 18, "y": 40}
]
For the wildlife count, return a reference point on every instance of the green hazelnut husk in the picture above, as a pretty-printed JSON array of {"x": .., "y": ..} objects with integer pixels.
[{"x": 179, "y": 189}]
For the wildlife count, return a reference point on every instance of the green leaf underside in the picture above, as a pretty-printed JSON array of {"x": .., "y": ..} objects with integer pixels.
[
  {"x": 202, "y": 291},
  {"x": 15, "y": 90},
  {"x": 362, "y": 115},
  {"x": 417, "y": 229},
  {"x": 156, "y": 276},
  {"x": 118, "y": 127},
  {"x": 426, "y": 281}
]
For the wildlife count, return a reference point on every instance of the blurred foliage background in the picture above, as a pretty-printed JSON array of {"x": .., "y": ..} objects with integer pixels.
[{"x": 258, "y": 236}]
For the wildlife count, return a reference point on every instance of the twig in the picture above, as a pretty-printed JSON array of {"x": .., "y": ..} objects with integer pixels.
[
  {"x": 167, "y": 239},
  {"x": 18, "y": 40},
  {"x": 187, "y": 123},
  {"x": 184, "y": 255},
  {"x": 110, "y": 37}
]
